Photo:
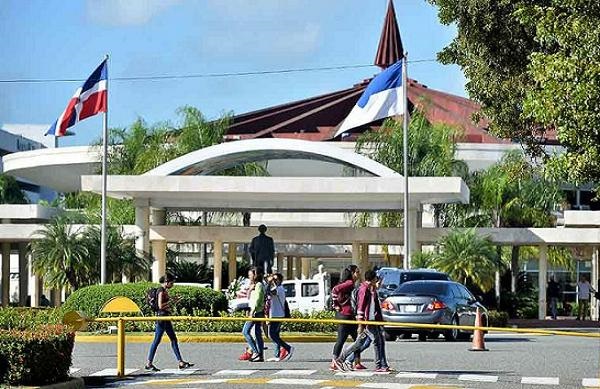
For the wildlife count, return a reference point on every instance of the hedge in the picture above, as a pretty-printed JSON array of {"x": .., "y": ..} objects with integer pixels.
[
  {"x": 28, "y": 318},
  {"x": 497, "y": 319},
  {"x": 192, "y": 299},
  {"x": 38, "y": 357}
]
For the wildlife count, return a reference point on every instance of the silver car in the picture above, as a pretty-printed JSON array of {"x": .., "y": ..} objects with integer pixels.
[{"x": 431, "y": 302}]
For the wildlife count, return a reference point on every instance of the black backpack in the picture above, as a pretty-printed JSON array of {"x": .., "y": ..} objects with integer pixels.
[
  {"x": 152, "y": 299},
  {"x": 354, "y": 299}
]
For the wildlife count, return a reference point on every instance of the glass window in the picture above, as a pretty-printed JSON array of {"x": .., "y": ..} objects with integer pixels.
[
  {"x": 310, "y": 290},
  {"x": 290, "y": 290},
  {"x": 436, "y": 288},
  {"x": 390, "y": 280},
  {"x": 465, "y": 292}
]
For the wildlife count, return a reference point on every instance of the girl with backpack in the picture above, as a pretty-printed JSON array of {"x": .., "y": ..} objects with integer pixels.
[
  {"x": 341, "y": 296},
  {"x": 257, "y": 306},
  {"x": 278, "y": 308}
]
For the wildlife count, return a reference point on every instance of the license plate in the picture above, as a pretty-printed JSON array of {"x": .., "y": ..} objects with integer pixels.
[{"x": 410, "y": 308}]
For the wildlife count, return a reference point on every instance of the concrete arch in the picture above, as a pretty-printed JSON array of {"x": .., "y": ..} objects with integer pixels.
[{"x": 225, "y": 155}]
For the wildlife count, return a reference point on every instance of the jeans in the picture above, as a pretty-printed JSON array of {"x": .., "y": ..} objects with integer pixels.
[
  {"x": 257, "y": 345},
  {"x": 376, "y": 335},
  {"x": 274, "y": 330},
  {"x": 343, "y": 331},
  {"x": 160, "y": 328},
  {"x": 583, "y": 309},
  {"x": 365, "y": 346},
  {"x": 553, "y": 303}
]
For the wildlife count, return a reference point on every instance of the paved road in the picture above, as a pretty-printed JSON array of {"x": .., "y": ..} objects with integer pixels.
[{"x": 514, "y": 361}]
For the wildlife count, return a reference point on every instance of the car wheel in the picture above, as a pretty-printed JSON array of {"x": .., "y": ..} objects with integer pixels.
[
  {"x": 452, "y": 335},
  {"x": 390, "y": 337},
  {"x": 422, "y": 337}
]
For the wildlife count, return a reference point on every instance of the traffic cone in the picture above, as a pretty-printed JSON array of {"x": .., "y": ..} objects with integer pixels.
[{"x": 478, "y": 343}]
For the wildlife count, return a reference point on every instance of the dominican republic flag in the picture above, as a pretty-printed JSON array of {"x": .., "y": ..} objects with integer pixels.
[
  {"x": 91, "y": 98},
  {"x": 382, "y": 98}
]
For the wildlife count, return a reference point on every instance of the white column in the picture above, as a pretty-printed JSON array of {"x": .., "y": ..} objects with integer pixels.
[
  {"x": 595, "y": 305},
  {"x": 34, "y": 280},
  {"x": 5, "y": 273},
  {"x": 217, "y": 264},
  {"x": 142, "y": 221},
  {"x": 542, "y": 281},
  {"x": 356, "y": 254},
  {"x": 280, "y": 263},
  {"x": 232, "y": 260},
  {"x": 305, "y": 268},
  {"x": 159, "y": 262},
  {"x": 159, "y": 247},
  {"x": 23, "y": 274}
]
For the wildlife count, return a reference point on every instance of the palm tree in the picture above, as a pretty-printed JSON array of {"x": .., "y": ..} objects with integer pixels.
[
  {"x": 61, "y": 257},
  {"x": 468, "y": 258}
]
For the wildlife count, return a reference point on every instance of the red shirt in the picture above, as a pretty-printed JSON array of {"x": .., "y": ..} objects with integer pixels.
[{"x": 340, "y": 295}]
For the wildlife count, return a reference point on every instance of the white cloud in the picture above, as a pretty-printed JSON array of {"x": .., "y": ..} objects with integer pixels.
[{"x": 126, "y": 12}]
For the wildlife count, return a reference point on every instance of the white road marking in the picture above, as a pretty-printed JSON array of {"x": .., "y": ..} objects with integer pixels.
[
  {"x": 409, "y": 374},
  {"x": 295, "y": 372},
  {"x": 591, "y": 382},
  {"x": 175, "y": 371},
  {"x": 540, "y": 380},
  {"x": 478, "y": 378},
  {"x": 235, "y": 372},
  {"x": 388, "y": 385},
  {"x": 111, "y": 372},
  {"x": 295, "y": 381},
  {"x": 356, "y": 373}
]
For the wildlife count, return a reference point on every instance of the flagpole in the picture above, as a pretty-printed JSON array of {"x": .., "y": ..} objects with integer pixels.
[
  {"x": 104, "y": 172},
  {"x": 406, "y": 262}
]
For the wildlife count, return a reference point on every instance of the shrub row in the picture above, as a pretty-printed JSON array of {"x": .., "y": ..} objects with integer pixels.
[
  {"x": 35, "y": 357},
  {"x": 497, "y": 319},
  {"x": 28, "y": 318}
]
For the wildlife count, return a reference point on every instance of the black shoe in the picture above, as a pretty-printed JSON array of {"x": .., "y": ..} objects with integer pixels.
[
  {"x": 151, "y": 367},
  {"x": 185, "y": 365},
  {"x": 257, "y": 358}
]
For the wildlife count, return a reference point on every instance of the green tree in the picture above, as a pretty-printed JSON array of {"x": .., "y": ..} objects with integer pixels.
[
  {"x": 10, "y": 192},
  {"x": 468, "y": 258}
]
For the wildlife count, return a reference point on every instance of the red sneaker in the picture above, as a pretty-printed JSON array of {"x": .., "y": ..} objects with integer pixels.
[
  {"x": 245, "y": 356},
  {"x": 359, "y": 366},
  {"x": 332, "y": 366}
]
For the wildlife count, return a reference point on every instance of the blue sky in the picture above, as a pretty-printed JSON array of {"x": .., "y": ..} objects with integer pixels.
[{"x": 68, "y": 39}]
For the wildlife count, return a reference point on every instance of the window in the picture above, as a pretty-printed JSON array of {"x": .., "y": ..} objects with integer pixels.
[
  {"x": 429, "y": 288},
  {"x": 310, "y": 290},
  {"x": 290, "y": 290}
]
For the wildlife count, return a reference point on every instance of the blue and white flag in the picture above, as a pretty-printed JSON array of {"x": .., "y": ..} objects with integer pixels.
[{"x": 382, "y": 98}]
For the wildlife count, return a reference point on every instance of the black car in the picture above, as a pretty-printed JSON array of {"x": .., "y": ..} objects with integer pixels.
[
  {"x": 392, "y": 278},
  {"x": 431, "y": 302}
]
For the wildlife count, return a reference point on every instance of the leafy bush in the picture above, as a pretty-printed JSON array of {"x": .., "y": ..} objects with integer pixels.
[
  {"x": 497, "y": 319},
  {"x": 38, "y": 357},
  {"x": 28, "y": 318},
  {"x": 91, "y": 299}
]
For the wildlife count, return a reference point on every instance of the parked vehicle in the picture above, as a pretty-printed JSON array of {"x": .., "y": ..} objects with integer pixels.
[
  {"x": 393, "y": 277},
  {"x": 431, "y": 302},
  {"x": 305, "y": 295}
]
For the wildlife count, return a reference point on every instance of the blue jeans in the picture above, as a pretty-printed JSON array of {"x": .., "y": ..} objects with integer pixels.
[
  {"x": 365, "y": 346},
  {"x": 274, "y": 330},
  {"x": 257, "y": 345},
  {"x": 376, "y": 335},
  {"x": 160, "y": 328}
]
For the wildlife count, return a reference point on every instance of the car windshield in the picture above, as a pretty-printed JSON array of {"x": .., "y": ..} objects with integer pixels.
[
  {"x": 390, "y": 280},
  {"x": 429, "y": 288},
  {"x": 415, "y": 276}
]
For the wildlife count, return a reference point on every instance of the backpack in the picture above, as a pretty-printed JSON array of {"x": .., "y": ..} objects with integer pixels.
[
  {"x": 354, "y": 300},
  {"x": 152, "y": 299}
]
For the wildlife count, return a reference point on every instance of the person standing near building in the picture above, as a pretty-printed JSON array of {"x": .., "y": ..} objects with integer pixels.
[
  {"x": 553, "y": 296},
  {"x": 257, "y": 306},
  {"x": 163, "y": 306},
  {"x": 584, "y": 290},
  {"x": 262, "y": 250},
  {"x": 283, "y": 351}
]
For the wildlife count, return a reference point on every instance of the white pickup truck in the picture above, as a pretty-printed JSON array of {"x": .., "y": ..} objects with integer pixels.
[{"x": 305, "y": 295}]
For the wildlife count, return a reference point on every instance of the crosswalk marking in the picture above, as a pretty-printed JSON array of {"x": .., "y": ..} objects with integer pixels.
[
  {"x": 295, "y": 381},
  {"x": 410, "y": 374},
  {"x": 540, "y": 380},
  {"x": 478, "y": 378},
  {"x": 591, "y": 382},
  {"x": 111, "y": 372},
  {"x": 235, "y": 372},
  {"x": 356, "y": 373},
  {"x": 295, "y": 372},
  {"x": 175, "y": 372}
]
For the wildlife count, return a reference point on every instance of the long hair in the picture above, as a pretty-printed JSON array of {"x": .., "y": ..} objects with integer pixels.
[
  {"x": 348, "y": 272},
  {"x": 258, "y": 272}
]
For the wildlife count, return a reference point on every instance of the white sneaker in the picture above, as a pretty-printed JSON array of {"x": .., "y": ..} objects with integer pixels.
[{"x": 273, "y": 359}]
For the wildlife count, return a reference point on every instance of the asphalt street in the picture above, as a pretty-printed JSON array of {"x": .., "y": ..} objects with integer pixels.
[{"x": 513, "y": 361}]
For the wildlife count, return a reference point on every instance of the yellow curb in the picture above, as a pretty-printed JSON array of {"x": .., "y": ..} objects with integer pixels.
[
  {"x": 199, "y": 339},
  {"x": 342, "y": 383},
  {"x": 254, "y": 381}
]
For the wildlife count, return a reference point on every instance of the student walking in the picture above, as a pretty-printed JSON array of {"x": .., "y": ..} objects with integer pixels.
[
  {"x": 584, "y": 291},
  {"x": 367, "y": 309},
  {"x": 163, "y": 308},
  {"x": 277, "y": 309},
  {"x": 341, "y": 296},
  {"x": 257, "y": 306}
]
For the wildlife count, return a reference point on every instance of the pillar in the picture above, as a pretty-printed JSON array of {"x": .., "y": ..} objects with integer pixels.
[
  {"x": 232, "y": 262},
  {"x": 306, "y": 268},
  {"x": 23, "y": 274},
  {"x": 36, "y": 287},
  {"x": 159, "y": 259},
  {"x": 5, "y": 273},
  {"x": 217, "y": 264},
  {"x": 542, "y": 281},
  {"x": 412, "y": 224},
  {"x": 280, "y": 263},
  {"x": 55, "y": 297},
  {"x": 364, "y": 257},
  {"x": 595, "y": 281},
  {"x": 290, "y": 267},
  {"x": 298, "y": 268},
  {"x": 142, "y": 221},
  {"x": 159, "y": 247},
  {"x": 356, "y": 254}
]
